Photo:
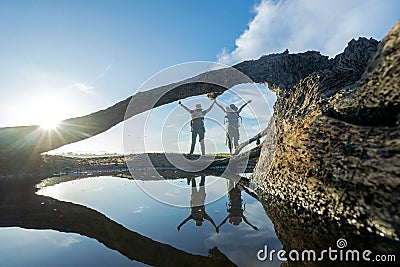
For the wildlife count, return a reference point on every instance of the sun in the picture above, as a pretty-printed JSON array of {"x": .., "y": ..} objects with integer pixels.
[
  {"x": 49, "y": 116},
  {"x": 47, "y": 112},
  {"x": 49, "y": 125}
]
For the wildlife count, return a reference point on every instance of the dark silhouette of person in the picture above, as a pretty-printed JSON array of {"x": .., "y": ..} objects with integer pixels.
[
  {"x": 232, "y": 115},
  {"x": 198, "y": 212},
  {"x": 235, "y": 207},
  {"x": 197, "y": 125}
]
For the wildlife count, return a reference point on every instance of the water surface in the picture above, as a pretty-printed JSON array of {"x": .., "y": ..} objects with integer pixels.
[{"x": 89, "y": 221}]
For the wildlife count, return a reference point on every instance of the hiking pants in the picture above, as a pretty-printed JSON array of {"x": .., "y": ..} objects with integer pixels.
[
  {"x": 232, "y": 135},
  {"x": 200, "y": 132}
]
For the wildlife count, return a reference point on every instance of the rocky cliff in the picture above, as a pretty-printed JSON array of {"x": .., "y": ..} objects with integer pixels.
[{"x": 336, "y": 139}]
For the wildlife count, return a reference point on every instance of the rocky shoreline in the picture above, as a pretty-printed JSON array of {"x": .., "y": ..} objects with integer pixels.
[{"x": 56, "y": 165}]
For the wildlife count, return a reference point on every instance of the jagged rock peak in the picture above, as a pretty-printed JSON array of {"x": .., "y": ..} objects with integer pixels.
[
  {"x": 356, "y": 55},
  {"x": 376, "y": 100},
  {"x": 282, "y": 71}
]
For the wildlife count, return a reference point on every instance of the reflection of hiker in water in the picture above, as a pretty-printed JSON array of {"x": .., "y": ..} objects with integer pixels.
[
  {"x": 232, "y": 123},
  {"x": 197, "y": 125},
  {"x": 198, "y": 212},
  {"x": 235, "y": 209}
]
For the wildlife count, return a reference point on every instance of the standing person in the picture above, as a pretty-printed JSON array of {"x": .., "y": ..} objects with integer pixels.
[
  {"x": 232, "y": 123},
  {"x": 197, "y": 125}
]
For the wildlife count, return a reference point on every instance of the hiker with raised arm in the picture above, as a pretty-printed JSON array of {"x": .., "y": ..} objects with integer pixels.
[
  {"x": 235, "y": 208},
  {"x": 232, "y": 115},
  {"x": 197, "y": 125},
  {"x": 197, "y": 204}
]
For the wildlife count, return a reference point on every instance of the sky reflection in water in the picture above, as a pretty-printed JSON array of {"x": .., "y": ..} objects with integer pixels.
[{"x": 125, "y": 202}]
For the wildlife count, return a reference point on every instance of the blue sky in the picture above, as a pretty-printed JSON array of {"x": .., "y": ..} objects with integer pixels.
[
  {"x": 113, "y": 46},
  {"x": 60, "y": 59}
]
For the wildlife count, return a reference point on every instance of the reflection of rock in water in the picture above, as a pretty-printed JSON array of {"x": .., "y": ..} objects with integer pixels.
[
  {"x": 21, "y": 207},
  {"x": 337, "y": 148},
  {"x": 301, "y": 230}
]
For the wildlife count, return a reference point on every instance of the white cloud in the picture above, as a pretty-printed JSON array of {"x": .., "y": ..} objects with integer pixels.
[
  {"x": 139, "y": 209},
  {"x": 101, "y": 75},
  {"x": 69, "y": 241},
  {"x": 82, "y": 86},
  {"x": 301, "y": 25},
  {"x": 63, "y": 240}
]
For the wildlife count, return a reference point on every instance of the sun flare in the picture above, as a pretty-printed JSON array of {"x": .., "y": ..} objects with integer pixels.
[
  {"x": 47, "y": 111},
  {"x": 49, "y": 125}
]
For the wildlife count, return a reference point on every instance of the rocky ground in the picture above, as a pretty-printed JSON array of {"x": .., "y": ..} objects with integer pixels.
[{"x": 49, "y": 165}]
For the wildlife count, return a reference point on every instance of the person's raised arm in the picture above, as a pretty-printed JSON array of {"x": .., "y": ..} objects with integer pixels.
[
  {"x": 186, "y": 108},
  {"x": 183, "y": 222},
  {"x": 220, "y": 106},
  {"x": 207, "y": 217},
  {"x": 224, "y": 221},
  {"x": 246, "y": 221},
  {"x": 210, "y": 107},
  {"x": 245, "y": 104}
]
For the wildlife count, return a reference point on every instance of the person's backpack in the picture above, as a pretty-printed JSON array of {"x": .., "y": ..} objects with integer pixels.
[
  {"x": 197, "y": 119},
  {"x": 232, "y": 119}
]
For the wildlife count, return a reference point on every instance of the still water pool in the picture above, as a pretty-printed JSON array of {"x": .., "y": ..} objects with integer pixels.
[{"x": 111, "y": 221}]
